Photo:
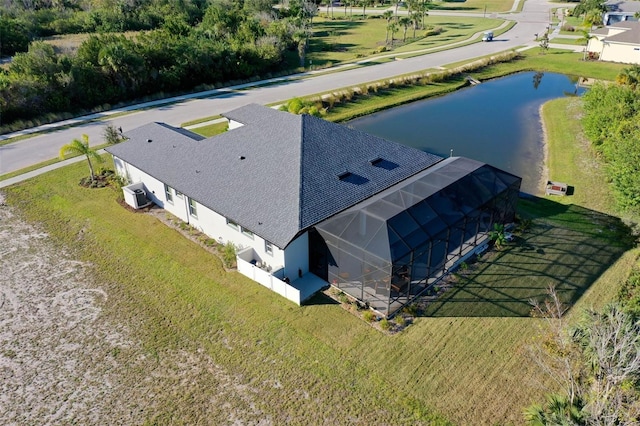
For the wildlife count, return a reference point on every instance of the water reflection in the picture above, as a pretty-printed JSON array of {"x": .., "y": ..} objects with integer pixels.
[{"x": 496, "y": 122}]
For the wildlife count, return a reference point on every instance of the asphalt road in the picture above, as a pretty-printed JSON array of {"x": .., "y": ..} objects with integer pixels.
[{"x": 532, "y": 20}]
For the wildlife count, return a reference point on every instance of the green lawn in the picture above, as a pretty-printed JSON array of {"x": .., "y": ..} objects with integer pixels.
[
  {"x": 571, "y": 41},
  {"x": 465, "y": 360},
  {"x": 212, "y": 129},
  {"x": 336, "y": 41}
]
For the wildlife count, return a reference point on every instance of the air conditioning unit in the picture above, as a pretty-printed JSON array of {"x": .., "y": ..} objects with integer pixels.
[{"x": 136, "y": 196}]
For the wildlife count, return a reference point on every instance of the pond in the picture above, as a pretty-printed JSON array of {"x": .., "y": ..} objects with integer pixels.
[{"x": 496, "y": 122}]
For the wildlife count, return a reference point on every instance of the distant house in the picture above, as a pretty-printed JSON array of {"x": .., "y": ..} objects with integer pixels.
[
  {"x": 618, "y": 11},
  {"x": 309, "y": 202},
  {"x": 619, "y": 42}
]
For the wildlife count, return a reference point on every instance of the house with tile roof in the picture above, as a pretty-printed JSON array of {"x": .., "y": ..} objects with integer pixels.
[
  {"x": 618, "y": 42},
  {"x": 283, "y": 188}
]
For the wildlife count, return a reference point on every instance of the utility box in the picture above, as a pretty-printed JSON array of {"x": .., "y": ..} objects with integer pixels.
[{"x": 136, "y": 196}]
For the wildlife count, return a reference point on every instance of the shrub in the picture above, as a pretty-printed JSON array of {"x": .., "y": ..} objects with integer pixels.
[
  {"x": 434, "y": 31},
  {"x": 399, "y": 319},
  {"x": 342, "y": 297},
  {"x": 368, "y": 316},
  {"x": 411, "y": 310},
  {"x": 567, "y": 27},
  {"x": 229, "y": 254},
  {"x": 295, "y": 105},
  {"x": 385, "y": 324}
]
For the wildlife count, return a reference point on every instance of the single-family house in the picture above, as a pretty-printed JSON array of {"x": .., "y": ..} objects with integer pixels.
[
  {"x": 618, "y": 42},
  {"x": 309, "y": 202}
]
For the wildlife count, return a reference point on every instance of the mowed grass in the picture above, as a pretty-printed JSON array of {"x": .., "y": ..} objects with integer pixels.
[
  {"x": 583, "y": 173},
  {"x": 570, "y": 41},
  {"x": 212, "y": 129},
  {"x": 336, "y": 41},
  {"x": 473, "y": 5},
  {"x": 465, "y": 361}
]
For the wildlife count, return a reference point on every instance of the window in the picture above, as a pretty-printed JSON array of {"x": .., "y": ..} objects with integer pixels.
[
  {"x": 168, "y": 194},
  {"x": 178, "y": 194},
  {"x": 246, "y": 232},
  {"x": 268, "y": 247},
  {"x": 193, "y": 211},
  {"x": 232, "y": 224}
]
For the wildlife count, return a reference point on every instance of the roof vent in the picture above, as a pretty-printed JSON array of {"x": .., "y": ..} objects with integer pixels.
[
  {"x": 344, "y": 175},
  {"x": 381, "y": 163},
  {"x": 242, "y": 157},
  {"x": 149, "y": 140}
]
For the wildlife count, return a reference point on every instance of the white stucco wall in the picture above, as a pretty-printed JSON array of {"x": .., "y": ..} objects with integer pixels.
[
  {"x": 215, "y": 226},
  {"x": 595, "y": 45},
  {"x": 234, "y": 124},
  {"x": 153, "y": 187},
  {"x": 624, "y": 53},
  {"x": 207, "y": 221},
  {"x": 296, "y": 257}
]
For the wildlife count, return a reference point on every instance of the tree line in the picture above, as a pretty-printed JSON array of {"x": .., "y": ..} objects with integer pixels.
[
  {"x": 595, "y": 360},
  {"x": 188, "y": 43},
  {"x": 612, "y": 122}
]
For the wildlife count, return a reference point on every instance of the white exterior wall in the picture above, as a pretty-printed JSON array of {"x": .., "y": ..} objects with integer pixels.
[
  {"x": 215, "y": 226},
  {"x": 296, "y": 256},
  {"x": 208, "y": 221},
  {"x": 595, "y": 45},
  {"x": 152, "y": 186},
  {"x": 154, "y": 189},
  {"x": 617, "y": 52},
  {"x": 234, "y": 124}
]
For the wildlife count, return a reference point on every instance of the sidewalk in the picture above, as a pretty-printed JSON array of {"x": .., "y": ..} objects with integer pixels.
[{"x": 45, "y": 169}]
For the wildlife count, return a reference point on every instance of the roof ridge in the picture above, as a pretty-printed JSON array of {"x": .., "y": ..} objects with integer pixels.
[{"x": 301, "y": 171}]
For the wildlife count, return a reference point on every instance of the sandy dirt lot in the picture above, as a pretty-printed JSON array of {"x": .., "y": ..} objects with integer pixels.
[{"x": 65, "y": 358}]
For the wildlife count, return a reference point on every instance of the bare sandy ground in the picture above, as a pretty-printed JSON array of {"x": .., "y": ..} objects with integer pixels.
[{"x": 65, "y": 359}]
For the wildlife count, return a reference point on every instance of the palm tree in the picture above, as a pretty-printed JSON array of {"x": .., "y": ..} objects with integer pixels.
[
  {"x": 81, "y": 147},
  {"x": 585, "y": 40},
  {"x": 629, "y": 76},
  {"x": 365, "y": 3},
  {"x": 558, "y": 411},
  {"x": 593, "y": 18},
  {"x": 301, "y": 36},
  {"x": 392, "y": 28},
  {"x": 497, "y": 235},
  {"x": 388, "y": 15},
  {"x": 405, "y": 22},
  {"x": 415, "y": 19}
]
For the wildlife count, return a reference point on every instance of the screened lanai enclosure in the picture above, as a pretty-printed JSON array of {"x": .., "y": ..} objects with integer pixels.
[{"x": 390, "y": 248}]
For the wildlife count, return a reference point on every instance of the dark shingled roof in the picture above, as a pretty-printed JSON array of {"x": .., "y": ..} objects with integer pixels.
[{"x": 279, "y": 173}]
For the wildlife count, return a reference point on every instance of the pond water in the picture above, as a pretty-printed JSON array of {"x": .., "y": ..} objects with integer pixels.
[{"x": 496, "y": 122}]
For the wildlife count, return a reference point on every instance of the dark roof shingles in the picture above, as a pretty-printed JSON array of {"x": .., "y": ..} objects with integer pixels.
[{"x": 288, "y": 179}]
